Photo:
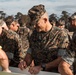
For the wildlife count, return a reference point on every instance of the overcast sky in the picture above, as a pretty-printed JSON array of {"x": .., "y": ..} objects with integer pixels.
[{"x": 11, "y": 7}]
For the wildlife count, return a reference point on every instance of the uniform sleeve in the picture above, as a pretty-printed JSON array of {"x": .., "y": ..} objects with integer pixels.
[
  {"x": 63, "y": 43},
  {"x": 20, "y": 48}
]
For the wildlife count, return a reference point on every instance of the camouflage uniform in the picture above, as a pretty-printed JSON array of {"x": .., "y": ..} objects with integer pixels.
[
  {"x": 24, "y": 34},
  {"x": 46, "y": 45},
  {"x": 70, "y": 56},
  {"x": 11, "y": 43}
]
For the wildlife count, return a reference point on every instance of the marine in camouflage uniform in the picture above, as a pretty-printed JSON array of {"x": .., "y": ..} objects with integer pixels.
[
  {"x": 71, "y": 26},
  {"x": 12, "y": 45},
  {"x": 24, "y": 31},
  {"x": 70, "y": 54},
  {"x": 45, "y": 45},
  {"x": 24, "y": 34}
]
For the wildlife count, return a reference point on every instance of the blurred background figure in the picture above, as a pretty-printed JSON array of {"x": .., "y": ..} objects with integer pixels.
[
  {"x": 72, "y": 23},
  {"x": 60, "y": 23},
  {"x": 12, "y": 23},
  {"x": 11, "y": 42}
]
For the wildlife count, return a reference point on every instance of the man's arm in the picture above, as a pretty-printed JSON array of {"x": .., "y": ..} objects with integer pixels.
[
  {"x": 62, "y": 45},
  {"x": 4, "y": 61},
  {"x": 53, "y": 64},
  {"x": 47, "y": 66},
  {"x": 27, "y": 60}
]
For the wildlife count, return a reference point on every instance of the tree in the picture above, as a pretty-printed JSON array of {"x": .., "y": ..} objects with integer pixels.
[
  {"x": 18, "y": 15},
  {"x": 2, "y": 14}
]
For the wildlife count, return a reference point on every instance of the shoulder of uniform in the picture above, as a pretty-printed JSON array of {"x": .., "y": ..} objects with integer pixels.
[
  {"x": 63, "y": 32},
  {"x": 56, "y": 28},
  {"x": 11, "y": 34}
]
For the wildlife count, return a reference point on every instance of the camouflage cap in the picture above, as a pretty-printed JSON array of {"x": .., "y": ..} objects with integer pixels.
[{"x": 36, "y": 12}]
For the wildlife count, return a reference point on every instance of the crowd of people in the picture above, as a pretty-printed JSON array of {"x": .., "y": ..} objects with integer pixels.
[{"x": 40, "y": 44}]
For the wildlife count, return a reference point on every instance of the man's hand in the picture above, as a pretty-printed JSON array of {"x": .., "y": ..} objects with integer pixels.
[
  {"x": 22, "y": 65},
  {"x": 35, "y": 69}
]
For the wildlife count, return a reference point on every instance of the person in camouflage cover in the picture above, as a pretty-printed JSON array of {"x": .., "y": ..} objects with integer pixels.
[
  {"x": 24, "y": 33},
  {"x": 12, "y": 45},
  {"x": 47, "y": 43},
  {"x": 70, "y": 57},
  {"x": 72, "y": 23}
]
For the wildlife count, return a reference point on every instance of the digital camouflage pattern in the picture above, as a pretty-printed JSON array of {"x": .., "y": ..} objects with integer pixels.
[
  {"x": 24, "y": 34},
  {"x": 45, "y": 45},
  {"x": 36, "y": 12},
  {"x": 10, "y": 42}
]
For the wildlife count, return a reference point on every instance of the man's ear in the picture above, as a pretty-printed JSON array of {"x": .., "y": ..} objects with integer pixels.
[
  {"x": 45, "y": 20},
  {"x": 12, "y": 24}
]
